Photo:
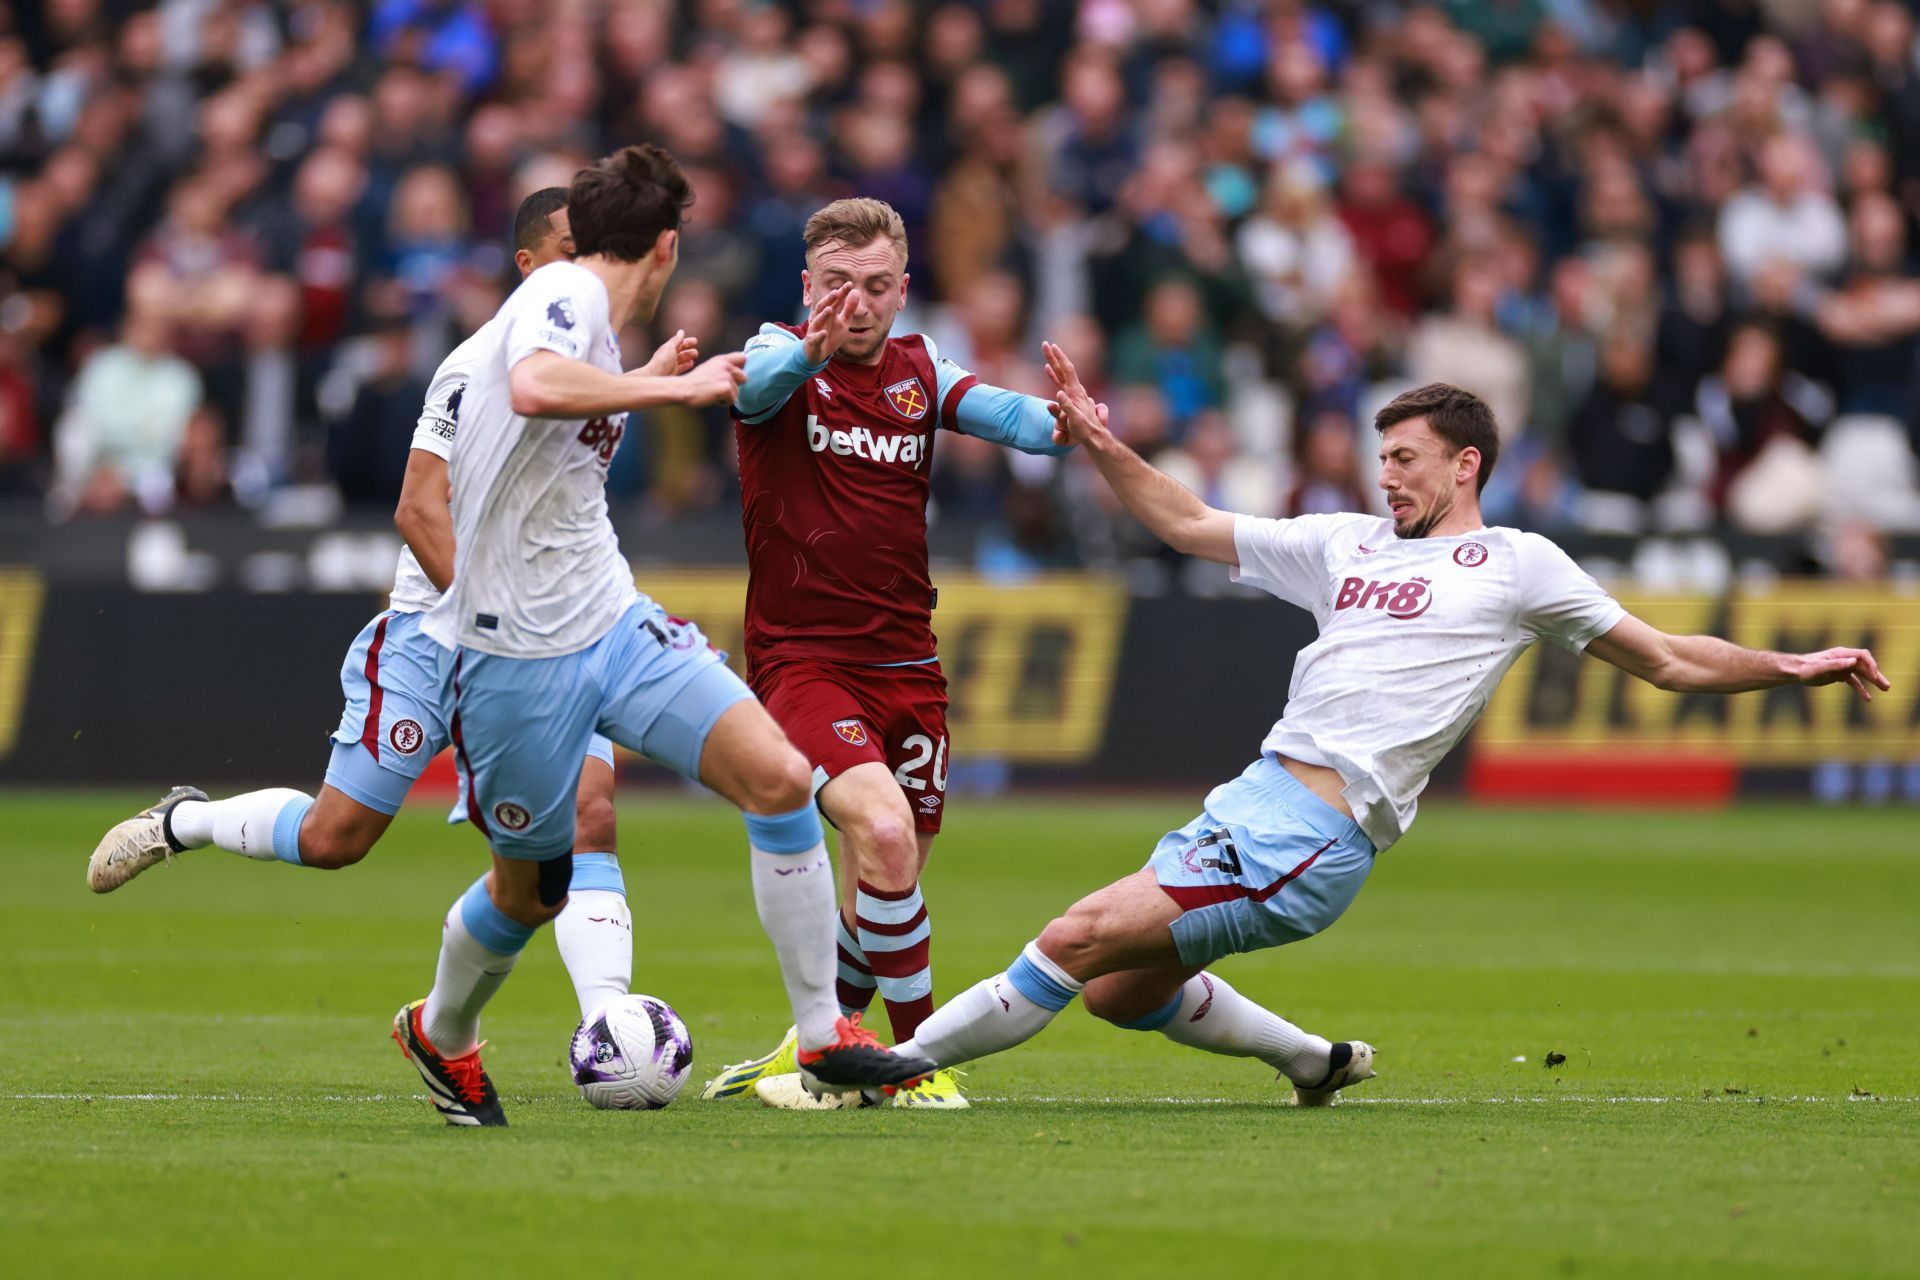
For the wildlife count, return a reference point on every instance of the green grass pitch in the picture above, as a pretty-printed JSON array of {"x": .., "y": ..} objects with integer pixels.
[{"x": 195, "y": 1075}]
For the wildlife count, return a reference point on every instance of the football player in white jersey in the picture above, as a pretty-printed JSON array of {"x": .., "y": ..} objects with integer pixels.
[
  {"x": 391, "y": 726},
  {"x": 1420, "y": 616},
  {"x": 545, "y": 642}
]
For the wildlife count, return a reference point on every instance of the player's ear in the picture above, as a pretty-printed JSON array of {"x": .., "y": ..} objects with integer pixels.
[
  {"x": 806, "y": 287},
  {"x": 668, "y": 247},
  {"x": 523, "y": 259},
  {"x": 904, "y": 277}
]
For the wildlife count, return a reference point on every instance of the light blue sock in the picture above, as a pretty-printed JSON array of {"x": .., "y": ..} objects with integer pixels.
[
  {"x": 597, "y": 871},
  {"x": 286, "y": 829},
  {"x": 491, "y": 927},
  {"x": 1157, "y": 1019}
]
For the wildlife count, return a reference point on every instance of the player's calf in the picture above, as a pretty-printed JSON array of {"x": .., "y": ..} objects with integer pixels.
[
  {"x": 338, "y": 832},
  {"x": 1204, "y": 1012},
  {"x": 892, "y": 934},
  {"x": 532, "y": 897},
  {"x": 596, "y": 824}
]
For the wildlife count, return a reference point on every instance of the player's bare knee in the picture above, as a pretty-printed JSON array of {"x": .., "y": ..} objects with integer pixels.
[
  {"x": 780, "y": 785},
  {"x": 594, "y": 824},
  {"x": 1072, "y": 942},
  {"x": 889, "y": 855}
]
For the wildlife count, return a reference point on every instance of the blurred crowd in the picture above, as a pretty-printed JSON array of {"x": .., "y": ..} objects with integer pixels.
[{"x": 1669, "y": 243}]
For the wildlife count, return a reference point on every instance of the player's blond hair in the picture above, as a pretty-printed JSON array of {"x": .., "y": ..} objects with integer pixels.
[{"x": 855, "y": 223}]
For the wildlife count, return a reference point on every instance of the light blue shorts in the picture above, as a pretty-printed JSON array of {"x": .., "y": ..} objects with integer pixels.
[
  {"x": 520, "y": 725},
  {"x": 392, "y": 724},
  {"x": 1266, "y": 863}
]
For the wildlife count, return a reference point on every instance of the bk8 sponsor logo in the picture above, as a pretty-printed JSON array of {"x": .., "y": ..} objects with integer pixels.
[
  {"x": 1402, "y": 600},
  {"x": 602, "y": 435}
]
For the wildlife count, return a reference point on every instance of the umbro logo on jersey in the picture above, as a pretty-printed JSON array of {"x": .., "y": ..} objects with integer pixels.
[
  {"x": 909, "y": 399},
  {"x": 560, "y": 311},
  {"x": 1401, "y": 600},
  {"x": 1365, "y": 550},
  {"x": 826, "y": 392}
]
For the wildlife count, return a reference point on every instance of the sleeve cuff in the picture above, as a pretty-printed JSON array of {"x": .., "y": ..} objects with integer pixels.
[{"x": 1608, "y": 622}]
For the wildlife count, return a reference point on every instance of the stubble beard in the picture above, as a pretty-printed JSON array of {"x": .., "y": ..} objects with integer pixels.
[{"x": 1423, "y": 525}]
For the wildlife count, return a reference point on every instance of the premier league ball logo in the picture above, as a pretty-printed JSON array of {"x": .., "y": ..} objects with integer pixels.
[{"x": 560, "y": 311}]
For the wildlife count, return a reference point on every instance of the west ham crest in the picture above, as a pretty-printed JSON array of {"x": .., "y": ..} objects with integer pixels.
[
  {"x": 909, "y": 398},
  {"x": 852, "y": 732}
]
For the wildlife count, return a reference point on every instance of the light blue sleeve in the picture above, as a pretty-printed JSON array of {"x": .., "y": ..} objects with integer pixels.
[
  {"x": 993, "y": 413},
  {"x": 776, "y": 366}
]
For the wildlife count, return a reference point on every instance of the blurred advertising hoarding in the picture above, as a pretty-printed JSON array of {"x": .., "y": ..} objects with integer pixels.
[{"x": 1567, "y": 727}]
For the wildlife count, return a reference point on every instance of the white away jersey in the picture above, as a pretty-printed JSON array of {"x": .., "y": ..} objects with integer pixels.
[
  {"x": 537, "y": 569},
  {"x": 413, "y": 591},
  {"x": 1414, "y": 636}
]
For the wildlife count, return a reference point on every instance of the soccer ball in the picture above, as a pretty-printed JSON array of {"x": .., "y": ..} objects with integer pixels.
[{"x": 632, "y": 1055}]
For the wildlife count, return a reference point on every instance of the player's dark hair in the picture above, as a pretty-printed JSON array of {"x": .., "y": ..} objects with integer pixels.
[
  {"x": 533, "y": 222},
  {"x": 1459, "y": 417},
  {"x": 620, "y": 206}
]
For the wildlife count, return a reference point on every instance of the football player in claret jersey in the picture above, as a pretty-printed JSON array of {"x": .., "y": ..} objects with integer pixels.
[
  {"x": 1420, "y": 616},
  {"x": 836, "y": 426},
  {"x": 392, "y": 726},
  {"x": 545, "y": 641}
]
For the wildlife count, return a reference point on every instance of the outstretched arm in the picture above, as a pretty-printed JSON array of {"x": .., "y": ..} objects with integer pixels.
[
  {"x": 1168, "y": 508},
  {"x": 1009, "y": 418},
  {"x": 778, "y": 362},
  {"x": 423, "y": 517},
  {"x": 1708, "y": 664},
  {"x": 547, "y": 384}
]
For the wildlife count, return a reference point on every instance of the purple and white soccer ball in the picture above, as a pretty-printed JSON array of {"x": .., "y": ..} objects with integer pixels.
[{"x": 632, "y": 1055}]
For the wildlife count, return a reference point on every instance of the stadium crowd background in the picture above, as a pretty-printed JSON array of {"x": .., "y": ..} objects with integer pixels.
[{"x": 1669, "y": 243}]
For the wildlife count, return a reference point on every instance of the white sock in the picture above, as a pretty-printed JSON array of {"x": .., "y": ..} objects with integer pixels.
[
  {"x": 595, "y": 935},
  {"x": 1213, "y": 1016},
  {"x": 469, "y": 972},
  {"x": 795, "y": 896},
  {"x": 250, "y": 825},
  {"x": 999, "y": 1013}
]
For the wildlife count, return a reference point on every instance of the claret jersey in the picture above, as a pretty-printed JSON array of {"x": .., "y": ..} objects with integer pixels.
[{"x": 834, "y": 487}]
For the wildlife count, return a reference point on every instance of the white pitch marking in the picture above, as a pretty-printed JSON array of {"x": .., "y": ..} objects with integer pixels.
[
  {"x": 1515, "y": 1100},
  {"x": 1062, "y": 1100}
]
